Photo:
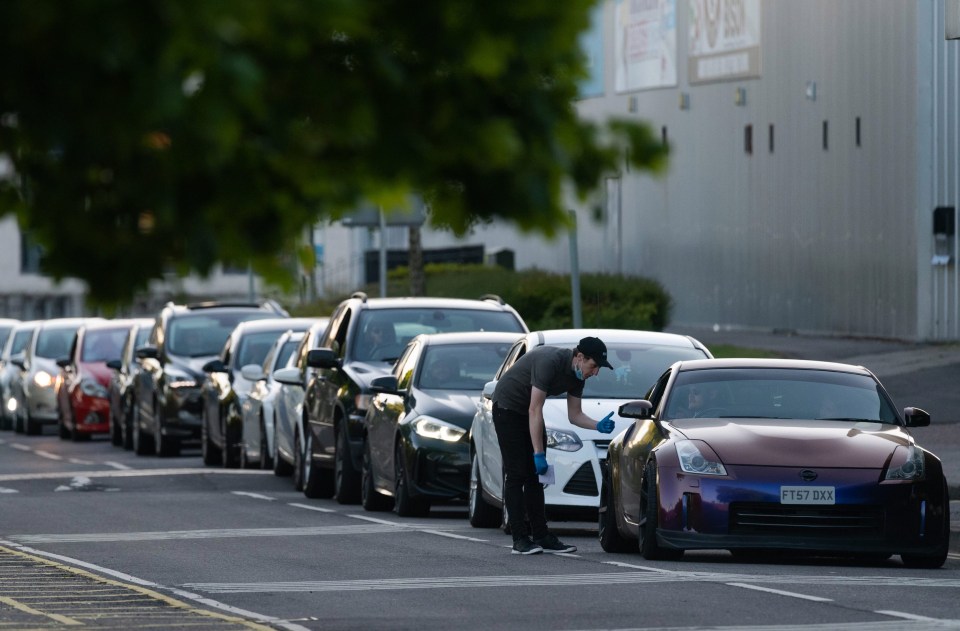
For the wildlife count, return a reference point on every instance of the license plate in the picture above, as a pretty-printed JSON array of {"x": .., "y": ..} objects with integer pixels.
[{"x": 807, "y": 495}]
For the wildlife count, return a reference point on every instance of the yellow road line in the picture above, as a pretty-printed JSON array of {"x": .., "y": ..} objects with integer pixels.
[
  {"x": 173, "y": 602},
  {"x": 30, "y": 610}
]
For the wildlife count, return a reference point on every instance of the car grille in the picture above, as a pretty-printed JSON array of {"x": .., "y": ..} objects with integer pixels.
[
  {"x": 583, "y": 482},
  {"x": 814, "y": 521}
]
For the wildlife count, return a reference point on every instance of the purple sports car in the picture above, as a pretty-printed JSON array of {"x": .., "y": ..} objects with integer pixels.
[{"x": 754, "y": 455}]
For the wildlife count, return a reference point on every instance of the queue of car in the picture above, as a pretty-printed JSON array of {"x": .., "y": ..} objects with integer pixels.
[{"x": 388, "y": 403}]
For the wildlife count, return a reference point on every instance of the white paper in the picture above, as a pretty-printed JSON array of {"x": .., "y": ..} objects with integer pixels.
[{"x": 550, "y": 477}]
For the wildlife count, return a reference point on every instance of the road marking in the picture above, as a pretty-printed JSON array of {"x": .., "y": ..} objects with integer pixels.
[
  {"x": 319, "y": 509},
  {"x": 47, "y": 454},
  {"x": 20, "y": 446},
  {"x": 453, "y": 536},
  {"x": 3, "y": 490},
  {"x": 225, "y": 533},
  {"x": 539, "y": 580},
  {"x": 780, "y": 592},
  {"x": 34, "y": 612},
  {"x": 129, "y": 473},
  {"x": 148, "y": 588},
  {"x": 906, "y": 616},
  {"x": 79, "y": 461},
  {"x": 256, "y": 496}
]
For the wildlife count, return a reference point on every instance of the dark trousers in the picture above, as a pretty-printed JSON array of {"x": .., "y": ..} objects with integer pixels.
[{"x": 522, "y": 489}]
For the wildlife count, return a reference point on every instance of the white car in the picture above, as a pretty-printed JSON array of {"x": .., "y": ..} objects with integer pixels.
[{"x": 638, "y": 359}]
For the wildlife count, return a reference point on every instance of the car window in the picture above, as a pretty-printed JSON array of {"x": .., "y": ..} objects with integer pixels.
[
  {"x": 398, "y": 326},
  {"x": 465, "y": 366},
  {"x": 200, "y": 334},
  {"x": 407, "y": 364},
  {"x": 253, "y": 348},
  {"x": 20, "y": 341},
  {"x": 779, "y": 394},
  {"x": 55, "y": 343},
  {"x": 286, "y": 352},
  {"x": 4, "y": 334},
  {"x": 102, "y": 345}
]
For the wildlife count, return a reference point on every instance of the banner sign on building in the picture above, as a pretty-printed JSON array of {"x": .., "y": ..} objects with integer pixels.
[
  {"x": 724, "y": 41},
  {"x": 645, "y": 44}
]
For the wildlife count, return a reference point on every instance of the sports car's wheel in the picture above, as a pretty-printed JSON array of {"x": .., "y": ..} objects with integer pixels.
[
  {"x": 281, "y": 468},
  {"x": 346, "y": 477},
  {"x": 610, "y": 538},
  {"x": 938, "y": 556},
  {"x": 482, "y": 515},
  {"x": 317, "y": 481},
  {"x": 405, "y": 504},
  {"x": 370, "y": 497},
  {"x": 649, "y": 510}
]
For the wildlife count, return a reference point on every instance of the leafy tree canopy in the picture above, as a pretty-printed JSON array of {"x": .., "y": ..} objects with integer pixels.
[{"x": 139, "y": 136}]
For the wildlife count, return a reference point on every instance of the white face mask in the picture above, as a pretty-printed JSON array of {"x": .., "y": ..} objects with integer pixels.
[{"x": 578, "y": 371}]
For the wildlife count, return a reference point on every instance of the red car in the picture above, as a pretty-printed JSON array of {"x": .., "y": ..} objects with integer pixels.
[{"x": 83, "y": 396}]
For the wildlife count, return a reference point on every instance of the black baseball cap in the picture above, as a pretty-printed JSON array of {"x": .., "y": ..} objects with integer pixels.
[{"x": 593, "y": 348}]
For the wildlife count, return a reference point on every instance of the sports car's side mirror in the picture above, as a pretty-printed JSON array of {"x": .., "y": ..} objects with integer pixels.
[
  {"x": 636, "y": 409},
  {"x": 915, "y": 417}
]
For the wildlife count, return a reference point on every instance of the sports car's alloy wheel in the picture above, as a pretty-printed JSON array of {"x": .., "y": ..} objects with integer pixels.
[
  {"x": 610, "y": 538},
  {"x": 649, "y": 511},
  {"x": 370, "y": 497},
  {"x": 404, "y": 503},
  {"x": 482, "y": 515},
  {"x": 347, "y": 478}
]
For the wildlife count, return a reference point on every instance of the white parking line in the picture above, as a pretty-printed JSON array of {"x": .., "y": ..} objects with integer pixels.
[
  {"x": 257, "y": 496},
  {"x": 453, "y": 536},
  {"x": 906, "y": 616},
  {"x": 3, "y": 490},
  {"x": 47, "y": 454},
  {"x": 780, "y": 592},
  {"x": 20, "y": 446},
  {"x": 129, "y": 473},
  {"x": 117, "y": 465},
  {"x": 319, "y": 509},
  {"x": 79, "y": 461}
]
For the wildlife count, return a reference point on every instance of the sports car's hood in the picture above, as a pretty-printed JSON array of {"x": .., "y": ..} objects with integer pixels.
[
  {"x": 454, "y": 406},
  {"x": 767, "y": 442}
]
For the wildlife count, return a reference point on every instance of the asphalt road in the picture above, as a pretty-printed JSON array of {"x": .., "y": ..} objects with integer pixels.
[{"x": 95, "y": 536}]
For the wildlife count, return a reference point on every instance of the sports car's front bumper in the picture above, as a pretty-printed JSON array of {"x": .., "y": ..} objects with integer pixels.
[{"x": 744, "y": 510}]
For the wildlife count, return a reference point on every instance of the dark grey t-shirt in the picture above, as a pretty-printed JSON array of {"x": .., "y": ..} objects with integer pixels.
[{"x": 547, "y": 368}]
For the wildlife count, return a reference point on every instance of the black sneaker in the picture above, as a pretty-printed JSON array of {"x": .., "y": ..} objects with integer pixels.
[
  {"x": 525, "y": 545},
  {"x": 550, "y": 543}
]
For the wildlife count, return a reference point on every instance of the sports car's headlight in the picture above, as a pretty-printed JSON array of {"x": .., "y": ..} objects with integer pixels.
[
  {"x": 92, "y": 388},
  {"x": 43, "y": 379},
  {"x": 564, "y": 441},
  {"x": 429, "y": 427},
  {"x": 912, "y": 469},
  {"x": 697, "y": 457}
]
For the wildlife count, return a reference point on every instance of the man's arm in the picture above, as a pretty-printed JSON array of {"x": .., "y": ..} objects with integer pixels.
[
  {"x": 535, "y": 412},
  {"x": 576, "y": 415}
]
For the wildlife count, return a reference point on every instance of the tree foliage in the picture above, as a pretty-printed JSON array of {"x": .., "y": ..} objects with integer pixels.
[{"x": 143, "y": 136}]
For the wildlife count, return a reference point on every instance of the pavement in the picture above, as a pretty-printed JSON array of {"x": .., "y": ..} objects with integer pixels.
[{"x": 924, "y": 375}]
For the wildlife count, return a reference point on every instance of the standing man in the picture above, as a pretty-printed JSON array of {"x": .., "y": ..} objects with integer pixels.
[{"x": 518, "y": 418}]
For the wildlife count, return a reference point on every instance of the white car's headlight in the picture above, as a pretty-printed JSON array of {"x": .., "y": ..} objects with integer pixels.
[
  {"x": 43, "y": 379},
  {"x": 564, "y": 441},
  {"x": 430, "y": 427},
  {"x": 912, "y": 469},
  {"x": 697, "y": 457},
  {"x": 92, "y": 388}
]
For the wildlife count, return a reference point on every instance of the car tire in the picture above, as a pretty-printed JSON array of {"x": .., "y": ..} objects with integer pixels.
[
  {"x": 281, "y": 468},
  {"x": 17, "y": 423},
  {"x": 116, "y": 434},
  {"x": 650, "y": 548},
  {"x": 610, "y": 538},
  {"x": 264, "y": 461},
  {"x": 126, "y": 428},
  {"x": 346, "y": 477},
  {"x": 166, "y": 446},
  {"x": 212, "y": 456},
  {"x": 141, "y": 443},
  {"x": 405, "y": 504},
  {"x": 480, "y": 513},
  {"x": 33, "y": 427},
  {"x": 370, "y": 497},
  {"x": 939, "y": 556},
  {"x": 297, "y": 464},
  {"x": 63, "y": 430},
  {"x": 231, "y": 447},
  {"x": 317, "y": 481}
]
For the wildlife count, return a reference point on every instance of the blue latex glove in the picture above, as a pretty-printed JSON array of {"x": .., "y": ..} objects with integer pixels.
[
  {"x": 540, "y": 462},
  {"x": 606, "y": 424}
]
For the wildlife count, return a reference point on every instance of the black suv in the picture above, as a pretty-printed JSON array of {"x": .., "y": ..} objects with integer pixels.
[
  {"x": 365, "y": 337},
  {"x": 183, "y": 339}
]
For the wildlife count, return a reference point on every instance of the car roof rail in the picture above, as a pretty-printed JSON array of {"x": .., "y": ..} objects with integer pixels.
[
  {"x": 213, "y": 304},
  {"x": 362, "y": 295},
  {"x": 494, "y": 297}
]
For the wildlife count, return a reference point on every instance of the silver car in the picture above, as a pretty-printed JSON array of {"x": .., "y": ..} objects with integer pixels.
[{"x": 13, "y": 349}]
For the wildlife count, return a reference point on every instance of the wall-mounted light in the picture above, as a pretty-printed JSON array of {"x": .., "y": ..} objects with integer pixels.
[
  {"x": 740, "y": 98},
  {"x": 632, "y": 104},
  {"x": 811, "y": 91},
  {"x": 683, "y": 101}
]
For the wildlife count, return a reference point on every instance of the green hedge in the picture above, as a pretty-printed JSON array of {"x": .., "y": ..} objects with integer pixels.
[{"x": 542, "y": 298}]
